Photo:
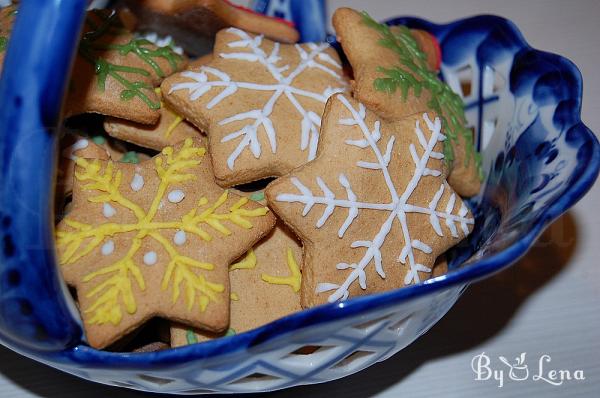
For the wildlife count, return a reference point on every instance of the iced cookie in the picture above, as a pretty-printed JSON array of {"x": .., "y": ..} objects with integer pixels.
[
  {"x": 373, "y": 210},
  {"x": 170, "y": 129},
  {"x": 115, "y": 72},
  {"x": 7, "y": 18},
  {"x": 154, "y": 239},
  {"x": 265, "y": 285},
  {"x": 194, "y": 23},
  {"x": 260, "y": 103},
  {"x": 392, "y": 77}
]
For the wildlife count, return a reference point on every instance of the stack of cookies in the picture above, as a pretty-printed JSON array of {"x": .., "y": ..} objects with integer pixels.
[{"x": 220, "y": 193}]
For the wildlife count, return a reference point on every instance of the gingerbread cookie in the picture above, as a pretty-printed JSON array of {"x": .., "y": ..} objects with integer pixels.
[
  {"x": 260, "y": 103},
  {"x": 392, "y": 77},
  {"x": 115, "y": 73},
  {"x": 154, "y": 239},
  {"x": 373, "y": 210},
  {"x": 194, "y": 23},
  {"x": 265, "y": 285},
  {"x": 170, "y": 129},
  {"x": 7, "y": 19}
]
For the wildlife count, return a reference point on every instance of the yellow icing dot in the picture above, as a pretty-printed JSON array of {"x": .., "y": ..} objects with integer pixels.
[{"x": 234, "y": 297}]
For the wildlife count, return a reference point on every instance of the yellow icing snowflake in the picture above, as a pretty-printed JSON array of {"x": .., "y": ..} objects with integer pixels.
[{"x": 142, "y": 236}]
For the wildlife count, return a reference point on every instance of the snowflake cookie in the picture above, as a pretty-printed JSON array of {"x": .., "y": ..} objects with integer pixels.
[
  {"x": 373, "y": 210},
  {"x": 194, "y": 23},
  {"x": 154, "y": 239},
  {"x": 394, "y": 79},
  {"x": 115, "y": 73},
  {"x": 265, "y": 285},
  {"x": 260, "y": 102}
]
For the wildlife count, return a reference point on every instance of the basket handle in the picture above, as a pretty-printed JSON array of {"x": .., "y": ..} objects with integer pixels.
[{"x": 34, "y": 315}]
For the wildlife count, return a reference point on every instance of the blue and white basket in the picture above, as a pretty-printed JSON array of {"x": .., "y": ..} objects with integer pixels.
[{"x": 539, "y": 159}]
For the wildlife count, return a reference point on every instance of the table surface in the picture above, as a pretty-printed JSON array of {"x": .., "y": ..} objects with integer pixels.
[{"x": 542, "y": 305}]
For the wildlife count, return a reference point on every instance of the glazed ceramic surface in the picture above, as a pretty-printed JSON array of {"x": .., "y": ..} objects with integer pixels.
[{"x": 539, "y": 159}]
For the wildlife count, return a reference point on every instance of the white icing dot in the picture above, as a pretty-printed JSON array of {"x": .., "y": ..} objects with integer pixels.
[
  {"x": 150, "y": 258},
  {"x": 176, "y": 196},
  {"x": 180, "y": 238},
  {"x": 137, "y": 182},
  {"x": 69, "y": 151},
  {"x": 108, "y": 248},
  {"x": 108, "y": 210}
]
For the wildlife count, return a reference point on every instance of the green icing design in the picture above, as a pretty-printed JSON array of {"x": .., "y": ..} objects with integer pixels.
[
  {"x": 98, "y": 140},
  {"x": 5, "y": 35},
  {"x": 142, "y": 48},
  {"x": 257, "y": 196},
  {"x": 415, "y": 75},
  {"x": 191, "y": 337},
  {"x": 130, "y": 157},
  {"x": 230, "y": 332}
]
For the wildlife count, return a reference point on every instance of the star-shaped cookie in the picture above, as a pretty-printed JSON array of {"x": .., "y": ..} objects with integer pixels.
[
  {"x": 115, "y": 72},
  {"x": 392, "y": 77},
  {"x": 373, "y": 210},
  {"x": 154, "y": 239},
  {"x": 260, "y": 102},
  {"x": 194, "y": 23}
]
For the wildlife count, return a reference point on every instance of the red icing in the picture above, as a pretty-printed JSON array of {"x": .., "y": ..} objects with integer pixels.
[{"x": 438, "y": 51}]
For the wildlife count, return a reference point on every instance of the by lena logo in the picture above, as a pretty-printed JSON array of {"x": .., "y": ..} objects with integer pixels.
[{"x": 518, "y": 370}]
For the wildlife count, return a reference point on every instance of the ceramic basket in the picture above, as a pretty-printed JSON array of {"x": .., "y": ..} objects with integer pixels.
[{"x": 538, "y": 157}]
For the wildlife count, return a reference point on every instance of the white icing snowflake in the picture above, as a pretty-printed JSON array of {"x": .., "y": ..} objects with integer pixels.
[
  {"x": 397, "y": 208},
  {"x": 312, "y": 56}
]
